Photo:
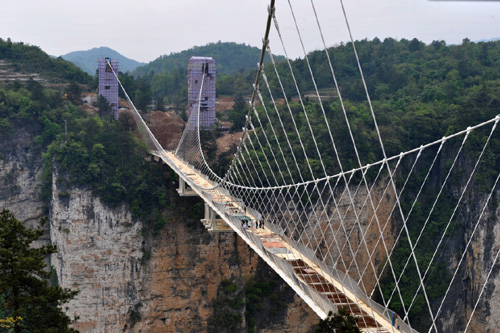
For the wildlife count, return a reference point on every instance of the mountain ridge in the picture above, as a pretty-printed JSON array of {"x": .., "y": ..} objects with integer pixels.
[
  {"x": 230, "y": 58},
  {"x": 87, "y": 60}
]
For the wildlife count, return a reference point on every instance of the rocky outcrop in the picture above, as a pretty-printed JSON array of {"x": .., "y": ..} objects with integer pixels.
[
  {"x": 99, "y": 254},
  {"x": 353, "y": 244},
  {"x": 187, "y": 266},
  {"x": 474, "y": 269},
  {"x": 20, "y": 172}
]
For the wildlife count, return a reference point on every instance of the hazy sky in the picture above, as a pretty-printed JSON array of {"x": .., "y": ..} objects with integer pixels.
[{"x": 145, "y": 29}]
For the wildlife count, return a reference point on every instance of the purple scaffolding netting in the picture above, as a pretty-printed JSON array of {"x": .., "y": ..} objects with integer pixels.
[
  {"x": 108, "y": 84},
  {"x": 197, "y": 67}
]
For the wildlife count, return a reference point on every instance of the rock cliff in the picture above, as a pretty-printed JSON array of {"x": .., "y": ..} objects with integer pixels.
[
  {"x": 128, "y": 281},
  {"x": 20, "y": 172},
  {"x": 127, "y": 284}
]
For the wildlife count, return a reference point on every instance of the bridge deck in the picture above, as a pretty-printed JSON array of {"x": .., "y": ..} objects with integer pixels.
[{"x": 304, "y": 269}]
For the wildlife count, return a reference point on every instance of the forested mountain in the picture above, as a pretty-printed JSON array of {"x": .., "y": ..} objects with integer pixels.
[
  {"x": 229, "y": 57},
  {"x": 27, "y": 58},
  {"x": 87, "y": 60},
  {"x": 419, "y": 91}
]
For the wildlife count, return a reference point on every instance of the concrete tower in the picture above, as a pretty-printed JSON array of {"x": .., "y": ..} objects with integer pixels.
[
  {"x": 197, "y": 68},
  {"x": 108, "y": 83}
]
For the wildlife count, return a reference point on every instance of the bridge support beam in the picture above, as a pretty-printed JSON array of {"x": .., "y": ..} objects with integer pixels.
[
  {"x": 212, "y": 224},
  {"x": 185, "y": 191}
]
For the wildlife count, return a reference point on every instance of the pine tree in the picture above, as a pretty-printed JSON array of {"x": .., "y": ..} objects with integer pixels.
[
  {"x": 104, "y": 106},
  {"x": 24, "y": 280}
]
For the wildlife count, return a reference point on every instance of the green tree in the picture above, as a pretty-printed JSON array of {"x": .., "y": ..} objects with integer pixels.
[
  {"x": 104, "y": 106},
  {"x": 74, "y": 93},
  {"x": 237, "y": 115},
  {"x": 24, "y": 280},
  {"x": 341, "y": 322}
]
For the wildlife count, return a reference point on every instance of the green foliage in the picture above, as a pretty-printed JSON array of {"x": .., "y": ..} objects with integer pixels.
[
  {"x": 238, "y": 114},
  {"x": 74, "y": 92},
  {"x": 101, "y": 154},
  {"x": 227, "y": 309},
  {"x": 419, "y": 93},
  {"x": 135, "y": 314},
  {"x": 139, "y": 90},
  {"x": 54, "y": 281},
  {"x": 106, "y": 157},
  {"x": 33, "y": 106},
  {"x": 166, "y": 76},
  {"x": 255, "y": 294},
  {"x": 24, "y": 280},
  {"x": 31, "y": 59},
  {"x": 340, "y": 322},
  {"x": 258, "y": 299}
]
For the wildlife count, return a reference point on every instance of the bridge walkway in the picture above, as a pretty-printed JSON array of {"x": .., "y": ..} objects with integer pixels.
[{"x": 304, "y": 269}]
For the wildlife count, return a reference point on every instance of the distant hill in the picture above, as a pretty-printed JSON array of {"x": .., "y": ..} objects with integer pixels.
[
  {"x": 494, "y": 39},
  {"x": 87, "y": 60},
  {"x": 25, "y": 58},
  {"x": 230, "y": 58}
]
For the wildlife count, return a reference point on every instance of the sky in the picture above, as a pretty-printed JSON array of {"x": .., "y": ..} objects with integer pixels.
[{"x": 146, "y": 29}]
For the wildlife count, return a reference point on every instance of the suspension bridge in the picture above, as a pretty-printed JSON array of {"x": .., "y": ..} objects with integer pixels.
[{"x": 331, "y": 230}]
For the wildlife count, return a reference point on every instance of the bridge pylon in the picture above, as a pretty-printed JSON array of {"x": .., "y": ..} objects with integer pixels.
[
  {"x": 212, "y": 223},
  {"x": 185, "y": 191}
]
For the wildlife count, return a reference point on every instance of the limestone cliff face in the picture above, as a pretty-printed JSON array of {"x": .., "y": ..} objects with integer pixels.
[
  {"x": 475, "y": 267},
  {"x": 186, "y": 268},
  {"x": 20, "y": 171},
  {"x": 354, "y": 244},
  {"x": 170, "y": 287},
  {"x": 99, "y": 254}
]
